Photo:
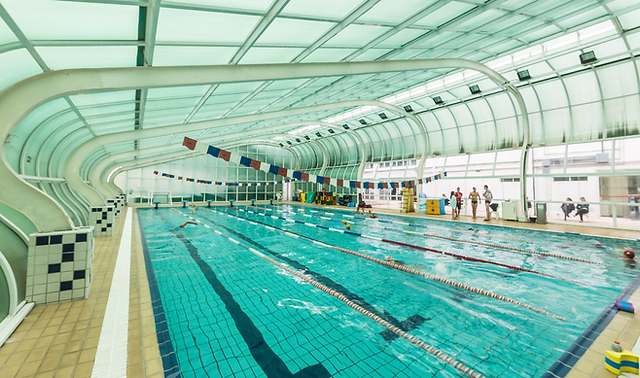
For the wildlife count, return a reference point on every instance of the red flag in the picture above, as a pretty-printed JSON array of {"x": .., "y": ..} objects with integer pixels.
[
  {"x": 155, "y": 172},
  {"x": 189, "y": 143},
  {"x": 340, "y": 182},
  {"x": 357, "y": 184},
  {"x": 255, "y": 164},
  {"x": 385, "y": 185},
  {"x": 327, "y": 180},
  {"x": 224, "y": 155},
  {"x": 179, "y": 177},
  {"x": 304, "y": 177},
  {"x": 282, "y": 171}
]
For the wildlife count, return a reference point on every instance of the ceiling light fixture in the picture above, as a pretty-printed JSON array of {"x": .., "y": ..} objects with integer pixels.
[{"x": 524, "y": 75}]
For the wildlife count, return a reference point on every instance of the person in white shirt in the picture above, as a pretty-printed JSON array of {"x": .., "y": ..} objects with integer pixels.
[{"x": 488, "y": 197}]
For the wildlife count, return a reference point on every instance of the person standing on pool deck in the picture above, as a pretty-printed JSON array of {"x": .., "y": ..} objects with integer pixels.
[
  {"x": 474, "y": 201},
  {"x": 488, "y": 196},
  {"x": 458, "y": 195},
  {"x": 453, "y": 201}
]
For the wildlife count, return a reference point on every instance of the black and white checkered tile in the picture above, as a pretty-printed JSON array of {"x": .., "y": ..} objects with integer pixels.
[
  {"x": 59, "y": 266},
  {"x": 118, "y": 203},
  {"x": 102, "y": 219}
]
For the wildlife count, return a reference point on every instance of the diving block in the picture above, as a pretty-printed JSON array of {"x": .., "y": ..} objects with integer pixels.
[
  {"x": 625, "y": 306},
  {"x": 620, "y": 362}
]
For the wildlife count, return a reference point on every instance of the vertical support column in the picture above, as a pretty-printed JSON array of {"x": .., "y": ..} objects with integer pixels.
[
  {"x": 60, "y": 266},
  {"x": 101, "y": 218}
]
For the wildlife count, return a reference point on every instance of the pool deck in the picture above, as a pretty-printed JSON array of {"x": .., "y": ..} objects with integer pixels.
[{"x": 60, "y": 340}]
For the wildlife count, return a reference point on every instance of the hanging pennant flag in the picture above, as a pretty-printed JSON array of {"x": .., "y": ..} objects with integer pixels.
[{"x": 281, "y": 171}]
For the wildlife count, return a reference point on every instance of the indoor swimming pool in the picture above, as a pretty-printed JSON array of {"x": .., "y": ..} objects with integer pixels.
[{"x": 279, "y": 291}]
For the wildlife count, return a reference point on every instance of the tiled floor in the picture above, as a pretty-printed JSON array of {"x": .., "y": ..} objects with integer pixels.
[{"x": 60, "y": 340}]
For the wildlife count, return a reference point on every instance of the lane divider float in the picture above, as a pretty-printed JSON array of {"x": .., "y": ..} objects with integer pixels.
[
  {"x": 412, "y": 339},
  {"x": 461, "y": 257},
  {"x": 465, "y": 232},
  {"x": 410, "y": 270}
]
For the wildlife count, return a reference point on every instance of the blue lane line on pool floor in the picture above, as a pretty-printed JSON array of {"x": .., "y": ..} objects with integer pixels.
[
  {"x": 265, "y": 357},
  {"x": 167, "y": 353},
  {"x": 406, "y": 325}
]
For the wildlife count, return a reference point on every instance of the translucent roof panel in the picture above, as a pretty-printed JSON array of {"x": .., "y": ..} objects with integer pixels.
[
  {"x": 58, "y": 58},
  {"x": 62, "y": 20},
  {"x": 21, "y": 66},
  {"x": 6, "y": 35},
  {"x": 288, "y": 32},
  {"x": 178, "y": 25},
  {"x": 446, "y": 13},
  {"x": 266, "y": 55},
  {"x": 391, "y": 11},
  {"x": 192, "y": 55},
  {"x": 562, "y": 94},
  {"x": 240, "y": 5},
  {"x": 327, "y": 9},
  {"x": 354, "y": 35}
]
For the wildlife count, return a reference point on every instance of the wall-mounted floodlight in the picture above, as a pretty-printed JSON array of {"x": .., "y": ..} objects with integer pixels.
[
  {"x": 331, "y": 131},
  {"x": 588, "y": 57},
  {"x": 289, "y": 142},
  {"x": 524, "y": 75},
  {"x": 298, "y": 140},
  {"x": 319, "y": 135},
  {"x": 382, "y": 115},
  {"x": 346, "y": 127},
  {"x": 307, "y": 138},
  {"x": 362, "y": 121},
  {"x": 437, "y": 100},
  {"x": 408, "y": 108},
  {"x": 475, "y": 89},
  {"x": 281, "y": 145}
]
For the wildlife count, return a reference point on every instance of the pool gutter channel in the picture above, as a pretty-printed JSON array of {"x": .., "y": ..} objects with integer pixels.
[{"x": 572, "y": 355}]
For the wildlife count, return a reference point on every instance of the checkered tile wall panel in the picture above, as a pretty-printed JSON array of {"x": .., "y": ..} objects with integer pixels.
[
  {"x": 59, "y": 265},
  {"x": 102, "y": 219}
]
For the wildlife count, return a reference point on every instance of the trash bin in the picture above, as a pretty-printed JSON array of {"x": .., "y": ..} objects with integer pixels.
[
  {"x": 422, "y": 203},
  {"x": 541, "y": 210}
]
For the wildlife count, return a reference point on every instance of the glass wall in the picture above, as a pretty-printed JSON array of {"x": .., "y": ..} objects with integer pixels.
[{"x": 142, "y": 184}]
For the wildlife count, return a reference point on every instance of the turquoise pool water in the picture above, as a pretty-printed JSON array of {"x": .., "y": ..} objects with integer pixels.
[{"x": 223, "y": 311}]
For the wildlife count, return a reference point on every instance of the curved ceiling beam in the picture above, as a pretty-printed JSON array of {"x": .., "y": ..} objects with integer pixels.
[
  {"x": 20, "y": 99},
  {"x": 101, "y": 169},
  {"x": 95, "y": 174}
]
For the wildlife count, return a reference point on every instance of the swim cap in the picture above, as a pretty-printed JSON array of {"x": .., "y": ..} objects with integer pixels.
[
  {"x": 629, "y": 254},
  {"x": 344, "y": 221},
  {"x": 348, "y": 227},
  {"x": 598, "y": 245}
]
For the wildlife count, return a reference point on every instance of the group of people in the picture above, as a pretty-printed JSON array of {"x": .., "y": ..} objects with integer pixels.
[
  {"x": 455, "y": 201},
  {"x": 581, "y": 209}
]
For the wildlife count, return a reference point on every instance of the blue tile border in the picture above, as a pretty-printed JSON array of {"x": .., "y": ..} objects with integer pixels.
[
  {"x": 571, "y": 356},
  {"x": 167, "y": 353}
]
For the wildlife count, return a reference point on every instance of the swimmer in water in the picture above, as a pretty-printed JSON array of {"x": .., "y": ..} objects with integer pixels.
[
  {"x": 194, "y": 209},
  {"x": 372, "y": 215},
  {"x": 390, "y": 259},
  {"x": 186, "y": 223}
]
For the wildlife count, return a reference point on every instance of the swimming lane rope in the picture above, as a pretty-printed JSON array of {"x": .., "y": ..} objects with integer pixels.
[
  {"x": 462, "y": 257},
  {"x": 451, "y": 230},
  {"x": 412, "y": 339},
  {"x": 487, "y": 244},
  {"x": 404, "y": 268}
]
